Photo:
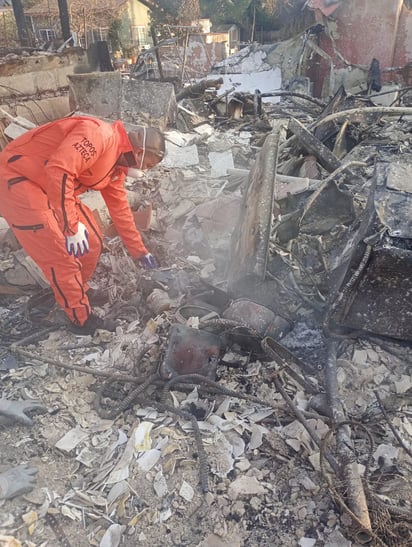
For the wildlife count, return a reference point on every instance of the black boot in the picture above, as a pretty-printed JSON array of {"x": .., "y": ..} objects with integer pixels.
[
  {"x": 92, "y": 324},
  {"x": 97, "y": 297}
]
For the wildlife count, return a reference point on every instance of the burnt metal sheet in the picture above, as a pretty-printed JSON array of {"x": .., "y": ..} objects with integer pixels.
[
  {"x": 333, "y": 207},
  {"x": 257, "y": 317},
  {"x": 393, "y": 200},
  {"x": 383, "y": 300},
  {"x": 378, "y": 297},
  {"x": 191, "y": 351},
  {"x": 250, "y": 239}
]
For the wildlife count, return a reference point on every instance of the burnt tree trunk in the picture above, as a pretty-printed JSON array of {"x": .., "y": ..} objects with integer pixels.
[
  {"x": 64, "y": 19},
  {"x": 20, "y": 23}
]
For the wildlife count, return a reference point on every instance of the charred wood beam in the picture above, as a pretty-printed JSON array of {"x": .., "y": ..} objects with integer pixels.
[
  {"x": 157, "y": 53},
  {"x": 198, "y": 89},
  {"x": 374, "y": 76},
  {"x": 314, "y": 146},
  {"x": 336, "y": 104},
  {"x": 313, "y": 100}
]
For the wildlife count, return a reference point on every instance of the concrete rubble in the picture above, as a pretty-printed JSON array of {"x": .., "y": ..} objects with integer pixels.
[{"x": 257, "y": 390}]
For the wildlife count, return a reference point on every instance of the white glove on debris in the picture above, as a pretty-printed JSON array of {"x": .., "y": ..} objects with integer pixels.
[{"x": 78, "y": 244}]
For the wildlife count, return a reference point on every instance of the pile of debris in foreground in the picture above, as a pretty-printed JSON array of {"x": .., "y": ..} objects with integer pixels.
[{"x": 257, "y": 388}]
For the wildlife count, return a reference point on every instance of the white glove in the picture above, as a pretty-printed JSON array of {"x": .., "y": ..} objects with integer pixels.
[
  {"x": 78, "y": 244},
  {"x": 149, "y": 262}
]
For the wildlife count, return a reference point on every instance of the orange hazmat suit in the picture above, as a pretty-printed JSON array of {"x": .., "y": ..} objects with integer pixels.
[{"x": 42, "y": 174}]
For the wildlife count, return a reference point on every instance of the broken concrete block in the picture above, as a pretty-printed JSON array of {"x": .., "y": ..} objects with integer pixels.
[
  {"x": 220, "y": 163},
  {"x": 106, "y": 95},
  {"x": 177, "y": 156},
  {"x": 158, "y": 301},
  {"x": 148, "y": 103},
  {"x": 96, "y": 93},
  {"x": 183, "y": 139},
  {"x": 15, "y": 130},
  {"x": 25, "y": 271}
]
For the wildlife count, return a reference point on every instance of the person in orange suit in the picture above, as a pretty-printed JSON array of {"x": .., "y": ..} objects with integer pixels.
[{"x": 42, "y": 174}]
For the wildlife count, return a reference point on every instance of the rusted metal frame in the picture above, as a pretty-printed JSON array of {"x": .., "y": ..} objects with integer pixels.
[
  {"x": 126, "y": 403},
  {"x": 203, "y": 462}
]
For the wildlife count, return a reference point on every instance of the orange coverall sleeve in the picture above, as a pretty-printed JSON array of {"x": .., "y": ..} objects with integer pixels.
[
  {"x": 78, "y": 151},
  {"x": 118, "y": 205}
]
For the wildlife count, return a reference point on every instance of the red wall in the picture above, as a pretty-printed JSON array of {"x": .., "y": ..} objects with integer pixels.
[{"x": 367, "y": 29}]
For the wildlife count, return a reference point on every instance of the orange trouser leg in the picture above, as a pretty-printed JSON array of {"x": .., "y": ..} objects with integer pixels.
[
  {"x": 26, "y": 209},
  {"x": 89, "y": 260}
]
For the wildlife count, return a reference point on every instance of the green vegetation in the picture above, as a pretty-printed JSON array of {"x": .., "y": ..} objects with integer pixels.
[{"x": 248, "y": 15}]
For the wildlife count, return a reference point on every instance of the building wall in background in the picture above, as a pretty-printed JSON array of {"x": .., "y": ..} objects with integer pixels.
[{"x": 357, "y": 32}]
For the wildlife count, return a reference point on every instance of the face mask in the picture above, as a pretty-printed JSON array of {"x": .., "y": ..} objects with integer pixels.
[
  {"x": 134, "y": 173},
  {"x": 144, "y": 147}
]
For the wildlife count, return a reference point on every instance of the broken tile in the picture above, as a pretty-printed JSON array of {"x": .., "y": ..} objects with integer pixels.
[
  {"x": 245, "y": 486},
  {"x": 71, "y": 439}
]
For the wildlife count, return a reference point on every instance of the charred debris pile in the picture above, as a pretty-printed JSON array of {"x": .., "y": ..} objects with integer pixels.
[{"x": 261, "y": 377}]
